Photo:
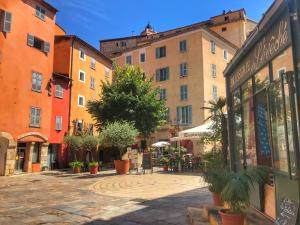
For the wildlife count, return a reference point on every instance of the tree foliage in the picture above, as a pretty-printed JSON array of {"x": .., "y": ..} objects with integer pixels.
[
  {"x": 130, "y": 97},
  {"x": 118, "y": 135}
]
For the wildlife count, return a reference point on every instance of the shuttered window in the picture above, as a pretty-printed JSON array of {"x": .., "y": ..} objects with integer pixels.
[
  {"x": 183, "y": 92},
  {"x": 162, "y": 74},
  {"x": 7, "y": 21},
  {"x": 215, "y": 92},
  {"x": 37, "y": 43},
  {"x": 59, "y": 93},
  {"x": 182, "y": 46},
  {"x": 92, "y": 83},
  {"x": 36, "y": 82},
  {"x": 213, "y": 47},
  {"x": 58, "y": 123},
  {"x": 214, "y": 71},
  {"x": 163, "y": 94},
  {"x": 184, "y": 115},
  {"x": 160, "y": 52},
  {"x": 35, "y": 117},
  {"x": 128, "y": 60},
  {"x": 40, "y": 12},
  {"x": 183, "y": 69}
]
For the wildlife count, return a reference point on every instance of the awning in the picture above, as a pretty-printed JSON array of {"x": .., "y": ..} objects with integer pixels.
[
  {"x": 193, "y": 133},
  {"x": 160, "y": 144}
]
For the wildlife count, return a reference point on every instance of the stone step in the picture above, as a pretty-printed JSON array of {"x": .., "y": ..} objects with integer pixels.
[
  {"x": 195, "y": 217},
  {"x": 253, "y": 217}
]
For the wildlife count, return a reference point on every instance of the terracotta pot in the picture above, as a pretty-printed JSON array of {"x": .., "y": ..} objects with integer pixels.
[
  {"x": 217, "y": 199},
  {"x": 93, "y": 169},
  {"x": 166, "y": 168},
  {"x": 230, "y": 218},
  {"x": 36, "y": 167},
  {"x": 122, "y": 166},
  {"x": 76, "y": 170}
]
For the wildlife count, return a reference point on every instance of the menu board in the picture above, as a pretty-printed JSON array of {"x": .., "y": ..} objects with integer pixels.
[
  {"x": 147, "y": 164},
  {"x": 288, "y": 213}
]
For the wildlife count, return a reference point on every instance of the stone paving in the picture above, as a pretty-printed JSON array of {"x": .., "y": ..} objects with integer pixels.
[{"x": 105, "y": 199}]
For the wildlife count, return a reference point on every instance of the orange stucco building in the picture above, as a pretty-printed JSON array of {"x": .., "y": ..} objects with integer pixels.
[
  {"x": 86, "y": 68},
  {"x": 27, "y": 33}
]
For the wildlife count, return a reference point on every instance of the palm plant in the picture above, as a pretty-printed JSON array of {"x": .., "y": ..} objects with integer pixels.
[
  {"x": 216, "y": 178},
  {"x": 236, "y": 192},
  {"x": 219, "y": 125}
]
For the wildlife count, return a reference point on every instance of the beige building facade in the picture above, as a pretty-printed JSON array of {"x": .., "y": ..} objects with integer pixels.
[{"x": 186, "y": 63}]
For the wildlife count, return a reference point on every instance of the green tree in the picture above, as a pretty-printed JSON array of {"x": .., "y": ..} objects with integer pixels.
[
  {"x": 130, "y": 97},
  {"x": 89, "y": 143},
  {"x": 74, "y": 143},
  {"x": 219, "y": 126},
  {"x": 118, "y": 135}
]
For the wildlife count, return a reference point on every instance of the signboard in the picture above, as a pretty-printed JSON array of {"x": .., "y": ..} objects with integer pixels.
[
  {"x": 288, "y": 213},
  {"x": 276, "y": 39},
  {"x": 147, "y": 161}
]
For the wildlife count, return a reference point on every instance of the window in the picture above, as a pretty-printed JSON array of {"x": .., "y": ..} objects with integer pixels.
[
  {"x": 183, "y": 69},
  {"x": 213, "y": 47},
  {"x": 92, "y": 83},
  {"x": 128, "y": 60},
  {"x": 81, "y": 76},
  {"x": 184, "y": 115},
  {"x": 225, "y": 54},
  {"x": 182, "y": 46},
  {"x": 163, "y": 94},
  {"x": 183, "y": 92},
  {"x": 93, "y": 63},
  {"x": 6, "y": 22},
  {"x": 37, "y": 43},
  {"x": 107, "y": 72},
  {"x": 214, "y": 71},
  {"x": 35, "y": 117},
  {"x": 40, "y": 12},
  {"x": 36, "y": 82},
  {"x": 214, "y": 92},
  {"x": 79, "y": 126},
  {"x": 123, "y": 43},
  {"x": 82, "y": 54},
  {"x": 162, "y": 74},
  {"x": 59, "y": 92},
  {"x": 280, "y": 72},
  {"x": 142, "y": 57},
  {"x": 36, "y": 152},
  {"x": 80, "y": 100},
  {"x": 161, "y": 52},
  {"x": 224, "y": 29},
  {"x": 58, "y": 123},
  {"x": 167, "y": 115},
  {"x": 226, "y": 18}
]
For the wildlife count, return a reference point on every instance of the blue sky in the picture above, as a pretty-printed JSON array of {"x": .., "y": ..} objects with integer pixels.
[{"x": 94, "y": 20}]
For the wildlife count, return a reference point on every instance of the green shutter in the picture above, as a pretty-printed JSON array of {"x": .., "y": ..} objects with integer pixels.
[
  {"x": 157, "y": 75},
  {"x": 190, "y": 114}
]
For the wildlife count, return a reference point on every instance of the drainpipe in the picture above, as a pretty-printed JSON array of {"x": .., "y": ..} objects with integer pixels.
[{"x": 71, "y": 84}]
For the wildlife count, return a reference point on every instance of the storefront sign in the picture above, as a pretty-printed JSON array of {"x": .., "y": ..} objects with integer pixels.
[
  {"x": 288, "y": 213},
  {"x": 277, "y": 38}
]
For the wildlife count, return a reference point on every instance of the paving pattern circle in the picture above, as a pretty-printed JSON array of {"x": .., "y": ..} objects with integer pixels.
[{"x": 149, "y": 186}]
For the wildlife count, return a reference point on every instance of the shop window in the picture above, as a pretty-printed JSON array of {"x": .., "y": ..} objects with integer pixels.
[
  {"x": 236, "y": 97},
  {"x": 36, "y": 153},
  {"x": 238, "y": 138},
  {"x": 262, "y": 79},
  {"x": 247, "y": 90}
]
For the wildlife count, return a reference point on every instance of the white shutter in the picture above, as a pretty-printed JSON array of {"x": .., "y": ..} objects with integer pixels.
[
  {"x": 30, "y": 40},
  {"x": 7, "y": 22}
]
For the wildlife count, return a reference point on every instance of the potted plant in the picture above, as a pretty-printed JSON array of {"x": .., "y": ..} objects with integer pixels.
[
  {"x": 165, "y": 161},
  {"x": 236, "y": 193},
  {"x": 76, "y": 166},
  {"x": 216, "y": 179},
  {"x": 119, "y": 135},
  {"x": 93, "y": 167}
]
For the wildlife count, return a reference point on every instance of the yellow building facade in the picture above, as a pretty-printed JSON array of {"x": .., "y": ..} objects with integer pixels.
[
  {"x": 186, "y": 63},
  {"x": 87, "y": 68}
]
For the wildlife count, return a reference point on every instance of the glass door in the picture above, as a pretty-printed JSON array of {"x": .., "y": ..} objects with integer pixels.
[{"x": 20, "y": 156}]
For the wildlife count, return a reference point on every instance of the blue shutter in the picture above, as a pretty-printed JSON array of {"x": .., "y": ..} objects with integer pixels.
[
  {"x": 178, "y": 114},
  {"x": 167, "y": 73},
  {"x": 190, "y": 114},
  {"x": 157, "y": 75}
]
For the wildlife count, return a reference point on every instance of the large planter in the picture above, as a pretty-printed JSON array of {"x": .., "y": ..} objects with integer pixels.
[
  {"x": 231, "y": 218},
  {"x": 217, "y": 199},
  {"x": 122, "y": 166},
  {"x": 93, "y": 169},
  {"x": 36, "y": 167},
  {"x": 76, "y": 170},
  {"x": 166, "y": 168}
]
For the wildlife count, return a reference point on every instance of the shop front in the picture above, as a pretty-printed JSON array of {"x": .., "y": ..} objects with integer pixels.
[{"x": 263, "y": 94}]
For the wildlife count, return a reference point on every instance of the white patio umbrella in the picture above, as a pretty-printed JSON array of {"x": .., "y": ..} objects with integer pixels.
[{"x": 160, "y": 144}]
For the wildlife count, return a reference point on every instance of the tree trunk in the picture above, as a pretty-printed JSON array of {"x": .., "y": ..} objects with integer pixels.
[{"x": 224, "y": 140}]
